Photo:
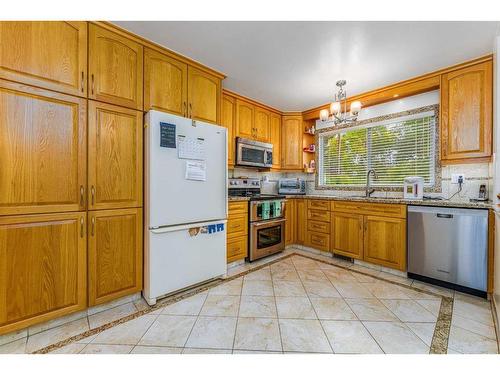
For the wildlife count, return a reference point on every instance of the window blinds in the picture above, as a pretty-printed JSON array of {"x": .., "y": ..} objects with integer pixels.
[{"x": 395, "y": 148}]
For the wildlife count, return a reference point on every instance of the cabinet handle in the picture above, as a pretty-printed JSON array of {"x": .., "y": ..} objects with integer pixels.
[
  {"x": 93, "y": 225},
  {"x": 82, "y": 81},
  {"x": 82, "y": 192},
  {"x": 92, "y": 192},
  {"x": 190, "y": 110},
  {"x": 184, "y": 111},
  {"x": 81, "y": 227},
  {"x": 92, "y": 77}
]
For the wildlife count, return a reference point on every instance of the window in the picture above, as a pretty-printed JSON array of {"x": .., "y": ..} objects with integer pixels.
[{"x": 395, "y": 146}]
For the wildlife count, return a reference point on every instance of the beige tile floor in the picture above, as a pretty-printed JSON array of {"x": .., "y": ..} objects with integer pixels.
[{"x": 294, "y": 305}]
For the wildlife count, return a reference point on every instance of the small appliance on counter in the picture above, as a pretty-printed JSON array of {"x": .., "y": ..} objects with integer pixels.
[
  {"x": 292, "y": 186},
  {"x": 482, "y": 194},
  {"x": 413, "y": 188}
]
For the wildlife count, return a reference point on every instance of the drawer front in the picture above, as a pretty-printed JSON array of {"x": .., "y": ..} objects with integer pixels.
[
  {"x": 237, "y": 225},
  {"x": 318, "y": 226},
  {"x": 318, "y": 204},
  {"x": 238, "y": 208},
  {"x": 320, "y": 241},
  {"x": 318, "y": 215},
  {"x": 236, "y": 249},
  {"x": 368, "y": 208}
]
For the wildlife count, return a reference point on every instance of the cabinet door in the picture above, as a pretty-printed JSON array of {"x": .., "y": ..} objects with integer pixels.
[
  {"x": 262, "y": 123},
  {"x": 115, "y": 68},
  {"x": 347, "y": 234},
  {"x": 290, "y": 224},
  {"x": 204, "y": 93},
  {"x": 43, "y": 145},
  {"x": 245, "y": 127},
  {"x": 115, "y": 254},
  {"x": 165, "y": 83},
  {"x": 228, "y": 119},
  {"x": 385, "y": 241},
  {"x": 115, "y": 157},
  {"x": 275, "y": 139},
  {"x": 301, "y": 223},
  {"x": 52, "y": 55},
  {"x": 466, "y": 114},
  {"x": 291, "y": 144},
  {"x": 43, "y": 259}
]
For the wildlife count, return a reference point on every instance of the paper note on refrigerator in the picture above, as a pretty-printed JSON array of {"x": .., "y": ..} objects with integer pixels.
[
  {"x": 191, "y": 148},
  {"x": 196, "y": 170}
]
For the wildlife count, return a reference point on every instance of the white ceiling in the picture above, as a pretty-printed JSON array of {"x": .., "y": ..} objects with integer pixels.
[{"x": 293, "y": 66}]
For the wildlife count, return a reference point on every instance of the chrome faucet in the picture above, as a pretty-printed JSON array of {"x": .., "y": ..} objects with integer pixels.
[{"x": 369, "y": 191}]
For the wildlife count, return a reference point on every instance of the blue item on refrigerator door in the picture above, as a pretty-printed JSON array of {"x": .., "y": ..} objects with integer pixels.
[
  {"x": 220, "y": 227},
  {"x": 211, "y": 228}
]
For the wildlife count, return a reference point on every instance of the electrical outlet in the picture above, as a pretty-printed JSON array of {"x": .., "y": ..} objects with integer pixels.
[{"x": 457, "y": 178}]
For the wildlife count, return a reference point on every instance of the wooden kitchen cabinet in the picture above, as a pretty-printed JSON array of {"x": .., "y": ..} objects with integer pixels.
[
  {"x": 115, "y": 254},
  {"x": 466, "y": 114},
  {"x": 347, "y": 234},
  {"x": 301, "y": 223},
  {"x": 115, "y": 68},
  {"x": 51, "y": 55},
  {"x": 237, "y": 231},
  {"x": 385, "y": 241},
  {"x": 165, "y": 83},
  {"x": 291, "y": 220},
  {"x": 228, "y": 120},
  {"x": 245, "y": 127},
  {"x": 115, "y": 157},
  {"x": 43, "y": 150},
  {"x": 291, "y": 143},
  {"x": 43, "y": 259},
  {"x": 275, "y": 139},
  {"x": 262, "y": 124},
  {"x": 204, "y": 96}
]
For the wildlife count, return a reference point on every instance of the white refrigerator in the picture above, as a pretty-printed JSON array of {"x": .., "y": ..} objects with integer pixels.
[{"x": 185, "y": 203}]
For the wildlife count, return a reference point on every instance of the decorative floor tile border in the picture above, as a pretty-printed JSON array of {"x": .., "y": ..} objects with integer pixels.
[{"x": 439, "y": 342}]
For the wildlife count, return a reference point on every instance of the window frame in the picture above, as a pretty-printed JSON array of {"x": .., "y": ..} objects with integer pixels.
[{"x": 436, "y": 188}]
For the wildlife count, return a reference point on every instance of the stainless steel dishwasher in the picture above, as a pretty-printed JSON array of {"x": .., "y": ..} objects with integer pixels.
[{"x": 449, "y": 247}]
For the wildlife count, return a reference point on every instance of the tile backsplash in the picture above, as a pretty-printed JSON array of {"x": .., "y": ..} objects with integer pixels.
[{"x": 475, "y": 175}]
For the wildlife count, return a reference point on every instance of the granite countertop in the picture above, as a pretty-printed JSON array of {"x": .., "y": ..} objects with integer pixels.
[{"x": 464, "y": 203}]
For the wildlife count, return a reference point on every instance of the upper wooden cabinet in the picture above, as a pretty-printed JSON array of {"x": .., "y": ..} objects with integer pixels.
[
  {"x": 43, "y": 259},
  {"x": 43, "y": 144},
  {"x": 466, "y": 114},
  {"x": 115, "y": 254},
  {"x": 275, "y": 139},
  {"x": 245, "y": 114},
  {"x": 204, "y": 95},
  {"x": 50, "y": 55},
  {"x": 291, "y": 143},
  {"x": 228, "y": 120},
  {"x": 115, "y": 68},
  {"x": 165, "y": 83},
  {"x": 262, "y": 124},
  {"x": 115, "y": 157}
]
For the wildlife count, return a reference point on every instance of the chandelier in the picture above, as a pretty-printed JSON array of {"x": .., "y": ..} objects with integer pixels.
[{"x": 338, "y": 108}]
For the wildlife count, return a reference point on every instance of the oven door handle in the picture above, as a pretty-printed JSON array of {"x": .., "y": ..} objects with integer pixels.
[{"x": 272, "y": 222}]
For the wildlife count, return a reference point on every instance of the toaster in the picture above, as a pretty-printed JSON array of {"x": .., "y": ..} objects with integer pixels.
[{"x": 290, "y": 186}]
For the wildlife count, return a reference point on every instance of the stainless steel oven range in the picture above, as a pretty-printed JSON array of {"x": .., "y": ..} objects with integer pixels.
[{"x": 266, "y": 222}]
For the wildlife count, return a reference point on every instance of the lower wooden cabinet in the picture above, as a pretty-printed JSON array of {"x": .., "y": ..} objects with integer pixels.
[
  {"x": 43, "y": 263},
  {"x": 301, "y": 224},
  {"x": 115, "y": 254},
  {"x": 320, "y": 241},
  {"x": 291, "y": 220},
  {"x": 237, "y": 231},
  {"x": 347, "y": 234},
  {"x": 385, "y": 241}
]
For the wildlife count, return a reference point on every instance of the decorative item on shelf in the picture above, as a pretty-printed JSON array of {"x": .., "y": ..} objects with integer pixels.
[
  {"x": 338, "y": 108},
  {"x": 311, "y": 168},
  {"x": 310, "y": 148},
  {"x": 310, "y": 130}
]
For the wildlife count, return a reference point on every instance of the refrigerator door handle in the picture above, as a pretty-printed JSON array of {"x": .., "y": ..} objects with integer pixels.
[{"x": 176, "y": 228}]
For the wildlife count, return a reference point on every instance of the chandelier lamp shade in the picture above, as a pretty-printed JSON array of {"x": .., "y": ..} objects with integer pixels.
[{"x": 338, "y": 112}]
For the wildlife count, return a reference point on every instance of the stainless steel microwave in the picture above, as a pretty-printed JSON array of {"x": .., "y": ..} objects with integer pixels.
[{"x": 253, "y": 153}]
